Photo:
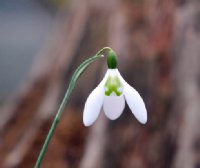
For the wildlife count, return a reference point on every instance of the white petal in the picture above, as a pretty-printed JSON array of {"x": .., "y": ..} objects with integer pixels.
[
  {"x": 93, "y": 106},
  {"x": 94, "y": 103},
  {"x": 112, "y": 72},
  {"x": 134, "y": 101},
  {"x": 113, "y": 106}
]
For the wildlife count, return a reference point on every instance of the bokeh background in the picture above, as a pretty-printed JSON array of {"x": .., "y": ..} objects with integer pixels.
[{"x": 158, "y": 46}]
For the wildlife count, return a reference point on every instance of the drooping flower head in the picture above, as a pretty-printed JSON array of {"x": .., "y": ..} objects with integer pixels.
[{"x": 111, "y": 93}]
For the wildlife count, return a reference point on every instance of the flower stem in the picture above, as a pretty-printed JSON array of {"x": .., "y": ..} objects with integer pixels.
[
  {"x": 104, "y": 49},
  {"x": 72, "y": 83},
  {"x": 111, "y": 57}
]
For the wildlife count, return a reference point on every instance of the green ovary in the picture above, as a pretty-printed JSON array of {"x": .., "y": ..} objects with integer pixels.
[{"x": 113, "y": 85}]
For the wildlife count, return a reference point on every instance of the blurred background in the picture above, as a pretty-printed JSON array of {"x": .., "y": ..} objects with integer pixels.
[{"x": 158, "y": 46}]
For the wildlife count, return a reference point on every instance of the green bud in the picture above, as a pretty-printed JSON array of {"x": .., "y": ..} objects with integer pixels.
[{"x": 112, "y": 60}]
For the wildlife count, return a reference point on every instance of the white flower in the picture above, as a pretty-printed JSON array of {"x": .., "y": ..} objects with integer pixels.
[{"x": 111, "y": 93}]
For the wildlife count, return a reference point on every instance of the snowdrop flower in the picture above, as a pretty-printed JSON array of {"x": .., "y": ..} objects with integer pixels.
[{"x": 111, "y": 93}]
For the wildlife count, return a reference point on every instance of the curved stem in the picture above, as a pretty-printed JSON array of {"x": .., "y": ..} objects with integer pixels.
[
  {"x": 103, "y": 49},
  {"x": 72, "y": 83}
]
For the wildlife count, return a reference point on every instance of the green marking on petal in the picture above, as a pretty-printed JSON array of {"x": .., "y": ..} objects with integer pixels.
[{"x": 113, "y": 85}]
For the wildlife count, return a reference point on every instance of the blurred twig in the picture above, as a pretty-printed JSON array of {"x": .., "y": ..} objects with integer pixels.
[{"x": 187, "y": 39}]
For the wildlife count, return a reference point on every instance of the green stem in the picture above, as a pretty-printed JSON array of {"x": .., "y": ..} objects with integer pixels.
[
  {"x": 104, "y": 49},
  {"x": 72, "y": 83},
  {"x": 111, "y": 57}
]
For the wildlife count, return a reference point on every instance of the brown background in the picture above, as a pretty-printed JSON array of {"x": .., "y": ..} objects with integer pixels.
[{"x": 158, "y": 45}]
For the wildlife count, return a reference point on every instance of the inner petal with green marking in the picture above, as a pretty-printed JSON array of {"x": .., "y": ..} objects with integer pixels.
[{"x": 113, "y": 85}]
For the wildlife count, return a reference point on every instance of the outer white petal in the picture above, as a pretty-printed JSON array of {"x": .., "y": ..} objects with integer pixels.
[
  {"x": 113, "y": 106},
  {"x": 134, "y": 101},
  {"x": 94, "y": 103},
  {"x": 93, "y": 106},
  {"x": 112, "y": 72}
]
